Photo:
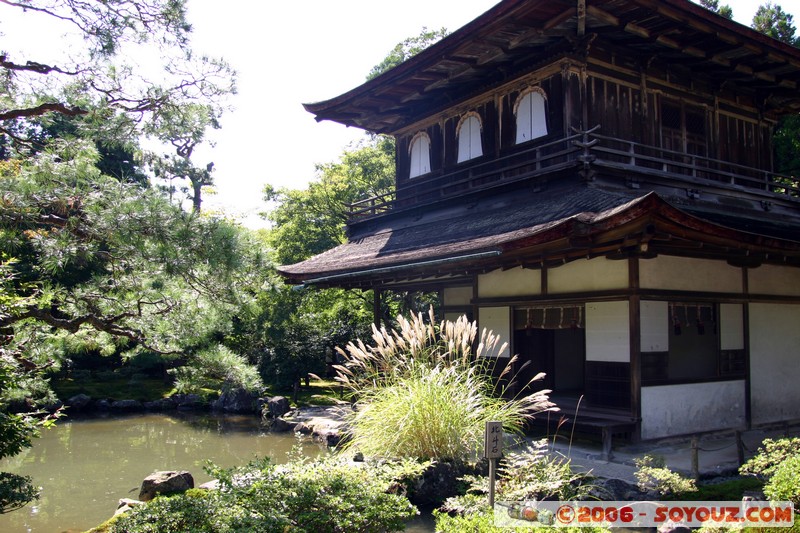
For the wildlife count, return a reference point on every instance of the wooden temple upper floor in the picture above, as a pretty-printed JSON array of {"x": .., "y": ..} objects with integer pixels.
[
  {"x": 658, "y": 95},
  {"x": 593, "y": 156},
  {"x": 656, "y": 127}
]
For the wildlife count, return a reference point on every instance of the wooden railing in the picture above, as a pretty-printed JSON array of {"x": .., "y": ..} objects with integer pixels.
[
  {"x": 520, "y": 165},
  {"x": 583, "y": 150},
  {"x": 651, "y": 161}
]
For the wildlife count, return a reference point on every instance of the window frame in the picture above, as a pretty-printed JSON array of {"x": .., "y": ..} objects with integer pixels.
[
  {"x": 468, "y": 120},
  {"x": 420, "y": 167},
  {"x": 535, "y": 125},
  {"x": 729, "y": 364}
]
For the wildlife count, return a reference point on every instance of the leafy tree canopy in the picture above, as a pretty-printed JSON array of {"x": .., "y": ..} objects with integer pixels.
[
  {"x": 95, "y": 256},
  {"x": 722, "y": 10},
  {"x": 105, "y": 80},
  {"x": 406, "y": 49},
  {"x": 309, "y": 221},
  {"x": 772, "y": 20},
  {"x": 91, "y": 257}
]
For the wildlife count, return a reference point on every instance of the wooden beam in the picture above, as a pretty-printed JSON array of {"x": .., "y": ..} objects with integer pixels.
[
  {"x": 667, "y": 41},
  {"x": 558, "y": 19},
  {"x": 603, "y": 16},
  {"x": 637, "y": 30}
]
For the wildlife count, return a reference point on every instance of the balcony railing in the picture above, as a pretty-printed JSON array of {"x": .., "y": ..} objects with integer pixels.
[
  {"x": 646, "y": 161},
  {"x": 584, "y": 151}
]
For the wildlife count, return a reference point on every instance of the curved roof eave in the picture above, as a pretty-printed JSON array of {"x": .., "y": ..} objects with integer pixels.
[
  {"x": 352, "y": 109},
  {"x": 363, "y": 261}
]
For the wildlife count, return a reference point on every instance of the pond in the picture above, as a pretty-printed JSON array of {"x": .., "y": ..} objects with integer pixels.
[{"x": 85, "y": 466}]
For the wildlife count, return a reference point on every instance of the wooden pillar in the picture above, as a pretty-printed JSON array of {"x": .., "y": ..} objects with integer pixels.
[
  {"x": 475, "y": 293},
  {"x": 376, "y": 307},
  {"x": 634, "y": 312},
  {"x": 748, "y": 382}
]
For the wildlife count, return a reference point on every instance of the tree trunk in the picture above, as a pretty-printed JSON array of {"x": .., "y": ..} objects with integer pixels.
[{"x": 197, "y": 187}]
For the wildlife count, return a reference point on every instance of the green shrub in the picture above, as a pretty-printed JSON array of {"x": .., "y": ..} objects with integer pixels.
[
  {"x": 770, "y": 454},
  {"x": 784, "y": 485},
  {"x": 106, "y": 375},
  {"x": 421, "y": 391},
  {"x": 81, "y": 375},
  {"x": 533, "y": 473},
  {"x": 653, "y": 475},
  {"x": 483, "y": 522},
  {"x": 197, "y": 511},
  {"x": 328, "y": 495},
  {"x": 28, "y": 394},
  {"x": 725, "y": 491},
  {"x": 468, "y": 523},
  {"x": 170, "y": 514},
  {"x": 216, "y": 369}
]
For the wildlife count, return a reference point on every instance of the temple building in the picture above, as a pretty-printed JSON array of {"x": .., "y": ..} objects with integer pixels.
[{"x": 594, "y": 181}]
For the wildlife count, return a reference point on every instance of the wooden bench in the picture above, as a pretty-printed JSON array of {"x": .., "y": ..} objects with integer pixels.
[
  {"x": 608, "y": 428},
  {"x": 592, "y": 421}
]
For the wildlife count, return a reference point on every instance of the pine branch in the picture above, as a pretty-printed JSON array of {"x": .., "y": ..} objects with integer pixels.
[{"x": 42, "y": 110}]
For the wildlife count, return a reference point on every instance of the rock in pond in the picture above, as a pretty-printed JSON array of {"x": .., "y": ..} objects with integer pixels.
[
  {"x": 165, "y": 482},
  {"x": 127, "y": 405},
  {"x": 237, "y": 401},
  {"x": 79, "y": 402},
  {"x": 125, "y": 505},
  {"x": 277, "y": 406},
  {"x": 189, "y": 402},
  {"x": 162, "y": 404}
]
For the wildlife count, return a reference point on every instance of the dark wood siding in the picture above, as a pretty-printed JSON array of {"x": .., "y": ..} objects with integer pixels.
[
  {"x": 554, "y": 108},
  {"x": 489, "y": 123},
  {"x": 616, "y": 108}
]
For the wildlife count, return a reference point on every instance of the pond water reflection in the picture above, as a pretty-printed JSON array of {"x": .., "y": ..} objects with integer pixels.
[{"x": 85, "y": 466}]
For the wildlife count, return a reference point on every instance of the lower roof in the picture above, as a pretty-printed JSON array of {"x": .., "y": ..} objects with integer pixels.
[{"x": 531, "y": 228}]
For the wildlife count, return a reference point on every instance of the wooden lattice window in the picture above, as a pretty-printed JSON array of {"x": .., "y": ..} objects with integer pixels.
[{"x": 683, "y": 128}]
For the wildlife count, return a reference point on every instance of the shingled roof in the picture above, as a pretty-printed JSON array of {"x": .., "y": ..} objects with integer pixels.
[
  {"x": 516, "y": 34},
  {"x": 569, "y": 219},
  {"x": 508, "y": 230}
]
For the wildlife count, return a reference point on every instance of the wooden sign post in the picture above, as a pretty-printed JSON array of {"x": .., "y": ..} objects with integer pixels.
[{"x": 493, "y": 450}]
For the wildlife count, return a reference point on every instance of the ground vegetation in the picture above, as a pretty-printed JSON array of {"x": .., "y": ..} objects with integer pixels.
[
  {"x": 323, "y": 495},
  {"x": 427, "y": 389}
]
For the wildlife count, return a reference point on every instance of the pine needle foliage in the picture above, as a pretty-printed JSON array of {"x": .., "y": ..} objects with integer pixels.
[{"x": 426, "y": 390}]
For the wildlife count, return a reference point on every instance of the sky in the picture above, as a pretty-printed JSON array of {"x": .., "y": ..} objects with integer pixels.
[{"x": 290, "y": 52}]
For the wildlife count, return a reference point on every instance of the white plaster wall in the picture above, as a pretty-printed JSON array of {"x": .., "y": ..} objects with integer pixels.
[
  {"x": 685, "y": 274},
  {"x": 497, "y": 319},
  {"x": 457, "y": 295},
  {"x": 608, "y": 332},
  {"x": 692, "y": 408},
  {"x": 731, "y": 319},
  {"x": 654, "y": 326},
  {"x": 452, "y": 317},
  {"x": 588, "y": 275},
  {"x": 774, "y": 279},
  {"x": 513, "y": 282},
  {"x": 774, "y": 362}
]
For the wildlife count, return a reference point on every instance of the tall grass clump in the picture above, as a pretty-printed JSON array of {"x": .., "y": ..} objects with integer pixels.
[{"x": 426, "y": 390}]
